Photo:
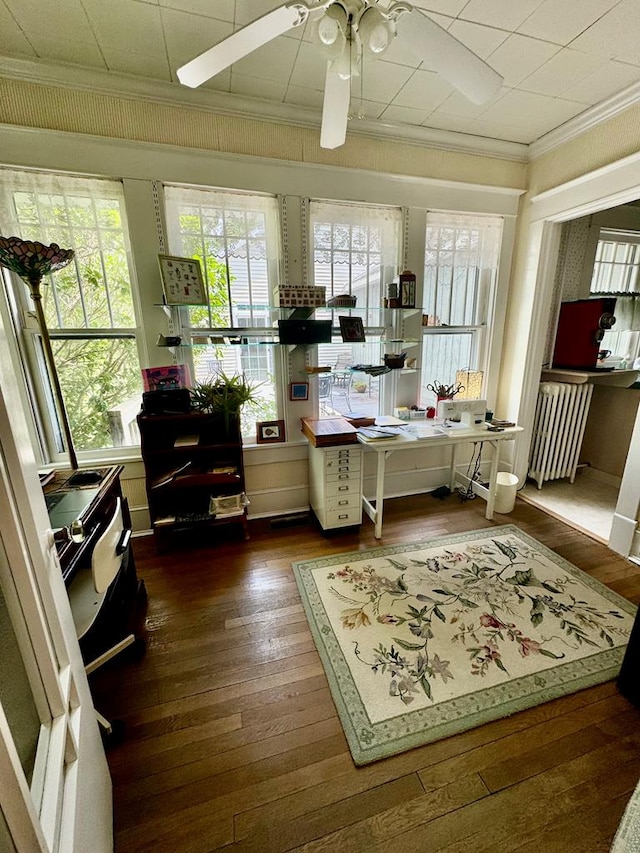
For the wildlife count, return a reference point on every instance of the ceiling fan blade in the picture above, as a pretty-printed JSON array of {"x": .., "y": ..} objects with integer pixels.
[
  {"x": 335, "y": 109},
  {"x": 442, "y": 52},
  {"x": 241, "y": 43}
]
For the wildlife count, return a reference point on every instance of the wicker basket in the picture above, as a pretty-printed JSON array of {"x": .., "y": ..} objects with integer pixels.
[
  {"x": 394, "y": 361},
  {"x": 342, "y": 301}
]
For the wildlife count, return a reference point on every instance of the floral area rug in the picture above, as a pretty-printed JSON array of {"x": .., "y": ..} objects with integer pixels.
[{"x": 422, "y": 641}]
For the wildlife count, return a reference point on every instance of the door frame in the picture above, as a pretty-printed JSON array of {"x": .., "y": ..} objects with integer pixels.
[{"x": 612, "y": 185}]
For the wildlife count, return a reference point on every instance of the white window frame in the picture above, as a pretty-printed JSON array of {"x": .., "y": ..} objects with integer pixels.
[
  {"x": 487, "y": 273},
  {"x": 375, "y": 320},
  {"x": 259, "y": 328},
  {"x": 623, "y": 339},
  {"x": 34, "y": 815},
  {"x": 603, "y": 269},
  {"x": 46, "y": 421}
]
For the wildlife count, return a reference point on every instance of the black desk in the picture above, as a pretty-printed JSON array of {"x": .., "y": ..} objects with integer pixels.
[{"x": 92, "y": 505}]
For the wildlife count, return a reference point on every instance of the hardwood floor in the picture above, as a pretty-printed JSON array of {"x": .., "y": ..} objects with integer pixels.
[{"x": 233, "y": 741}]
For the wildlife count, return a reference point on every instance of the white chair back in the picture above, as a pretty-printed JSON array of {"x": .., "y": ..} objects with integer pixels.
[{"x": 105, "y": 560}]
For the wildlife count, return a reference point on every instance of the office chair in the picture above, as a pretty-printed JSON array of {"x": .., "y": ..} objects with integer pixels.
[{"x": 103, "y": 599}]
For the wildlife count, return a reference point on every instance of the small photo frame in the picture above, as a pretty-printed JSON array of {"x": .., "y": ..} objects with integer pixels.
[
  {"x": 352, "y": 330},
  {"x": 408, "y": 294},
  {"x": 298, "y": 390},
  {"x": 182, "y": 281},
  {"x": 269, "y": 432}
]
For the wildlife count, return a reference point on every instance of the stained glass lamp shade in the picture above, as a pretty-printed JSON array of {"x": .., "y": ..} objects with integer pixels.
[{"x": 32, "y": 261}]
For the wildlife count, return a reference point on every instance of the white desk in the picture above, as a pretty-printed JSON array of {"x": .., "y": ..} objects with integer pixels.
[{"x": 454, "y": 438}]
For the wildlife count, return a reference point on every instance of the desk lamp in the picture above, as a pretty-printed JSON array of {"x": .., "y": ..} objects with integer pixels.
[{"x": 32, "y": 261}]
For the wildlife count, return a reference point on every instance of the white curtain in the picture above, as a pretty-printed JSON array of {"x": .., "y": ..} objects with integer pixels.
[
  {"x": 387, "y": 219},
  {"x": 47, "y": 183},
  {"x": 484, "y": 251},
  {"x": 178, "y": 198}
]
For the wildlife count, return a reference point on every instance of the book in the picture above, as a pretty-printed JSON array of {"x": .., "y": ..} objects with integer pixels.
[
  {"x": 376, "y": 434},
  {"x": 228, "y": 505},
  {"x": 170, "y": 476},
  {"x": 360, "y": 420},
  {"x": 390, "y": 420},
  {"x": 328, "y": 432},
  {"x": 186, "y": 441}
]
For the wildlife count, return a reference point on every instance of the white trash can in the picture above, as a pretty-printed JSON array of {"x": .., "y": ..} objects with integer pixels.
[{"x": 506, "y": 488}]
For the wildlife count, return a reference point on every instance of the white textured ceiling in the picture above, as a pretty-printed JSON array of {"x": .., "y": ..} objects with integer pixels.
[{"x": 560, "y": 59}]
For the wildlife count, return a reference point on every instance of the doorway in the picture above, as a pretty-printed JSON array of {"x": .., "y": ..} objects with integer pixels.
[
  {"x": 595, "y": 193},
  {"x": 598, "y": 256}
]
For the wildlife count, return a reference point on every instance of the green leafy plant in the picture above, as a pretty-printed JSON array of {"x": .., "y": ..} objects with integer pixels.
[{"x": 223, "y": 395}]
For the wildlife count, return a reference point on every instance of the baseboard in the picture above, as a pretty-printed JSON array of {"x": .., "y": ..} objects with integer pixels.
[{"x": 601, "y": 476}]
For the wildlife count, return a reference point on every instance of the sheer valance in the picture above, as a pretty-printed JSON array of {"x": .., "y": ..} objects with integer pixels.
[
  {"x": 233, "y": 224},
  {"x": 476, "y": 236}
]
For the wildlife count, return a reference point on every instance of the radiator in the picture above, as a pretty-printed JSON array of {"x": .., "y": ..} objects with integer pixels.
[{"x": 560, "y": 419}]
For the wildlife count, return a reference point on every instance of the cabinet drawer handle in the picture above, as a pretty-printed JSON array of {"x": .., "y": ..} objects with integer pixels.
[
  {"x": 343, "y": 468},
  {"x": 342, "y": 503},
  {"x": 344, "y": 515},
  {"x": 343, "y": 476},
  {"x": 343, "y": 488}
]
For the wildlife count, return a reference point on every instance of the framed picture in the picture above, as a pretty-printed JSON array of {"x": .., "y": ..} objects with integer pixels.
[
  {"x": 408, "y": 294},
  {"x": 352, "y": 329},
  {"x": 298, "y": 390},
  {"x": 269, "y": 432},
  {"x": 163, "y": 378},
  {"x": 182, "y": 281}
]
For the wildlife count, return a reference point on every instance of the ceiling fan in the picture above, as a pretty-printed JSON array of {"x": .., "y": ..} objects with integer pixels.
[{"x": 347, "y": 29}]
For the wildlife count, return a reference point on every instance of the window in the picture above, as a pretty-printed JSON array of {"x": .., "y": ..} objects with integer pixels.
[
  {"x": 615, "y": 269},
  {"x": 460, "y": 270},
  {"x": 236, "y": 237},
  {"x": 615, "y": 272},
  {"x": 89, "y": 306},
  {"x": 356, "y": 250}
]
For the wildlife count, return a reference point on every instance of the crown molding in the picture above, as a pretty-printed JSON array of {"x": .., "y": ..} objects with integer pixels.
[
  {"x": 112, "y": 83},
  {"x": 210, "y": 100},
  {"x": 587, "y": 120}
]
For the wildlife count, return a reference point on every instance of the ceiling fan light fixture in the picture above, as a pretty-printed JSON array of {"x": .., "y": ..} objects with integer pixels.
[
  {"x": 332, "y": 26},
  {"x": 375, "y": 30}
]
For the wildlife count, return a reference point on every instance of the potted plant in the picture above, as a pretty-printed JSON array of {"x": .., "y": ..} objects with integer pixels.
[
  {"x": 223, "y": 395},
  {"x": 445, "y": 392}
]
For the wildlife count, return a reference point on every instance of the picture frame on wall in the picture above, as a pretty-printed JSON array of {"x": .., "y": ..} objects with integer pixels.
[
  {"x": 182, "y": 281},
  {"x": 298, "y": 390},
  {"x": 270, "y": 432}
]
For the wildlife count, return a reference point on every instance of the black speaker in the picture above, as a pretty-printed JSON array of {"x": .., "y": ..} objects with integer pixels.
[
  {"x": 166, "y": 401},
  {"x": 304, "y": 331}
]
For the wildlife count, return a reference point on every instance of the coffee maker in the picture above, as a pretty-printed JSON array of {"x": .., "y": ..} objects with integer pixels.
[{"x": 581, "y": 327}]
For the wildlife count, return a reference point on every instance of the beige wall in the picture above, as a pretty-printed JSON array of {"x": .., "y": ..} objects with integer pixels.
[
  {"x": 610, "y": 141},
  {"x": 55, "y": 108},
  {"x": 608, "y": 432}
]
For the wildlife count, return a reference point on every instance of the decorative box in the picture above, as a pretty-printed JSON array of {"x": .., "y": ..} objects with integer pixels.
[{"x": 301, "y": 296}]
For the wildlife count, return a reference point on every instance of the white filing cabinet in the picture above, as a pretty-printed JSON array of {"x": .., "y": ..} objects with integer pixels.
[{"x": 335, "y": 483}]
